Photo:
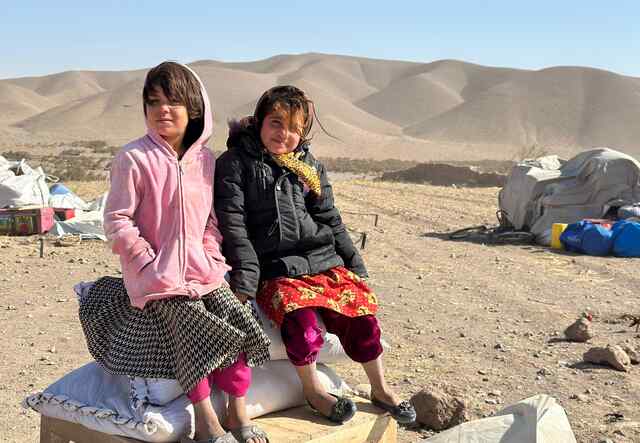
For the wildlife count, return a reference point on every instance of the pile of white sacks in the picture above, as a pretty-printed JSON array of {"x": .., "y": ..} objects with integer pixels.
[
  {"x": 24, "y": 186},
  {"x": 157, "y": 410}
]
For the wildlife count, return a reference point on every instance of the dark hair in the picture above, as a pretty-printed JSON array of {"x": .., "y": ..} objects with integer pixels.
[
  {"x": 179, "y": 85},
  {"x": 291, "y": 100}
]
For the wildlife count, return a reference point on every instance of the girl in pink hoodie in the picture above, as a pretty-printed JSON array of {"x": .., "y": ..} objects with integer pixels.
[{"x": 172, "y": 315}]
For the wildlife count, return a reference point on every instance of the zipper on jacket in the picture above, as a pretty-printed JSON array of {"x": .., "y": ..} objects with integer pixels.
[
  {"x": 263, "y": 175},
  {"x": 278, "y": 188},
  {"x": 182, "y": 234},
  {"x": 273, "y": 227}
]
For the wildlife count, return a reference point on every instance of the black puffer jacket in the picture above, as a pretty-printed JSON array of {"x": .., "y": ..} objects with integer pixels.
[{"x": 271, "y": 226}]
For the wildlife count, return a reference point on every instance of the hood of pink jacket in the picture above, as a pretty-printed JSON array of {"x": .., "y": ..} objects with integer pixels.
[{"x": 159, "y": 217}]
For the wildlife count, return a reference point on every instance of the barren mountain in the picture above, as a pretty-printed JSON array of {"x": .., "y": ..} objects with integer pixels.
[{"x": 446, "y": 109}]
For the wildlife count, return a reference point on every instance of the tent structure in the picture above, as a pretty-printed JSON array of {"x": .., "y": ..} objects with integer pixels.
[{"x": 541, "y": 192}]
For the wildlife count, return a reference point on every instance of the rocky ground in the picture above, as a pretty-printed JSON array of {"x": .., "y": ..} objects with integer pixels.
[{"x": 476, "y": 320}]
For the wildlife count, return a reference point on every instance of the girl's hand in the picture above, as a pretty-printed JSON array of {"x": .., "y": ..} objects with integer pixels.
[{"x": 242, "y": 297}]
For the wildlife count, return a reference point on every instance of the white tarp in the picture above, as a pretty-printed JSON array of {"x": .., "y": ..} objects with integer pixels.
[
  {"x": 86, "y": 224},
  {"x": 538, "y": 419}
]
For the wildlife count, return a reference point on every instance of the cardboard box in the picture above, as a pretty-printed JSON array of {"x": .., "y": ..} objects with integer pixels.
[{"x": 26, "y": 221}]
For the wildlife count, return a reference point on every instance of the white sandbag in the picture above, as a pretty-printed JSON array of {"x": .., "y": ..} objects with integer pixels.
[
  {"x": 538, "y": 419},
  {"x": 101, "y": 401}
]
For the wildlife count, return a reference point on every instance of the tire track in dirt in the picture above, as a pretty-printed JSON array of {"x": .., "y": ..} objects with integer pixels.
[
  {"x": 402, "y": 188},
  {"x": 404, "y": 207}
]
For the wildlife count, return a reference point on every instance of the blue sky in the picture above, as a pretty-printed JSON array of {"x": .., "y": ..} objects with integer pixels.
[{"x": 39, "y": 38}]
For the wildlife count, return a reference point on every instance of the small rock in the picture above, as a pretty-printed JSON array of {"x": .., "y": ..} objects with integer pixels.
[
  {"x": 439, "y": 411},
  {"x": 580, "y": 331},
  {"x": 634, "y": 356},
  {"x": 613, "y": 356},
  {"x": 491, "y": 401}
]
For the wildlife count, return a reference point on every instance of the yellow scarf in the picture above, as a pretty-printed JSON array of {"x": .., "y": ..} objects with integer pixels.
[{"x": 307, "y": 173}]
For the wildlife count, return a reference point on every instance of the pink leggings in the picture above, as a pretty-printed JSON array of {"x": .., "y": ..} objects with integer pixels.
[
  {"x": 234, "y": 380},
  {"x": 302, "y": 337}
]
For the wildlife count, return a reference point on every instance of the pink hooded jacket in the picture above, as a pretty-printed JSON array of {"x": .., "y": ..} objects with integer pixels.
[{"x": 159, "y": 217}]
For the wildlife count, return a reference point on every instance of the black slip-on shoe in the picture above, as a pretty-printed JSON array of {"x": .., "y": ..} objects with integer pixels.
[
  {"x": 342, "y": 411},
  {"x": 403, "y": 412}
]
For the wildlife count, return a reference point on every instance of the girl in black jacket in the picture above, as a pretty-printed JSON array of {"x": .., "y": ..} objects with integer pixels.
[{"x": 287, "y": 245}]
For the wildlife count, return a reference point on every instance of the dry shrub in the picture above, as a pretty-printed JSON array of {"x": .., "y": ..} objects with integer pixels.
[
  {"x": 78, "y": 168},
  {"x": 16, "y": 155},
  {"x": 364, "y": 165},
  {"x": 71, "y": 152},
  {"x": 533, "y": 150}
]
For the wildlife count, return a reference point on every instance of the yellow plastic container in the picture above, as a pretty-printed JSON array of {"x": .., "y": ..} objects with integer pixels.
[{"x": 556, "y": 230}]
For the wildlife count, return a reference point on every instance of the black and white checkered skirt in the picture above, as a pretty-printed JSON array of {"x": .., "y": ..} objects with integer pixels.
[{"x": 177, "y": 338}]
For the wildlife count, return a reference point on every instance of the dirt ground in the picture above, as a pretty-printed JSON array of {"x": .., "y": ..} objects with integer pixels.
[{"x": 462, "y": 316}]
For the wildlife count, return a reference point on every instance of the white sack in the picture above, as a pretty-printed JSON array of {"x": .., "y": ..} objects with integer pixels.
[
  {"x": 538, "y": 419},
  {"x": 103, "y": 402}
]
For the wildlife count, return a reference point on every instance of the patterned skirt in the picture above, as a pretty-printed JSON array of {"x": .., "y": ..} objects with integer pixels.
[
  {"x": 177, "y": 338},
  {"x": 337, "y": 289}
]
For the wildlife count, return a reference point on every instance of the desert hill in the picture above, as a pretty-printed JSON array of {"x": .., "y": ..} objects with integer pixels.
[{"x": 378, "y": 109}]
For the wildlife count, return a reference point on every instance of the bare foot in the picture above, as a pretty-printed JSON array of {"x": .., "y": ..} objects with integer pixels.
[
  {"x": 386, "y": 396},
  {"x": 237, "y": 418}
]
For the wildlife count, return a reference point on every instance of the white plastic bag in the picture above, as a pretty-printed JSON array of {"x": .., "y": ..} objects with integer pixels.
[
  {"x": 537, "y": 419},
  {"x": 28, "y": 189}
]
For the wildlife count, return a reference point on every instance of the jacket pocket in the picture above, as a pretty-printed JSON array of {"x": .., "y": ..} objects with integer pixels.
[
  {"x": 142, "y": 260},
  {"x": 295, "y": 266}
]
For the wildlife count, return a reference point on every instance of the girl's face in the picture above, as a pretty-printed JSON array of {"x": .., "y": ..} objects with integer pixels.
[
  {"x": 168, "y": 119},
  {"x": 277, "y": 133}
]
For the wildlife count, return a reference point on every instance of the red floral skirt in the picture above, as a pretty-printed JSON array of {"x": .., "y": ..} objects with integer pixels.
[{"x": 337, "y": 289}]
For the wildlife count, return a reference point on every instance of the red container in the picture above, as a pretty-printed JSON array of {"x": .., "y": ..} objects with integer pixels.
[
  {"x": 63, "y": 214},
  {"x": 604, "y": 222},
  {"x": 26, "y": 221}
]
